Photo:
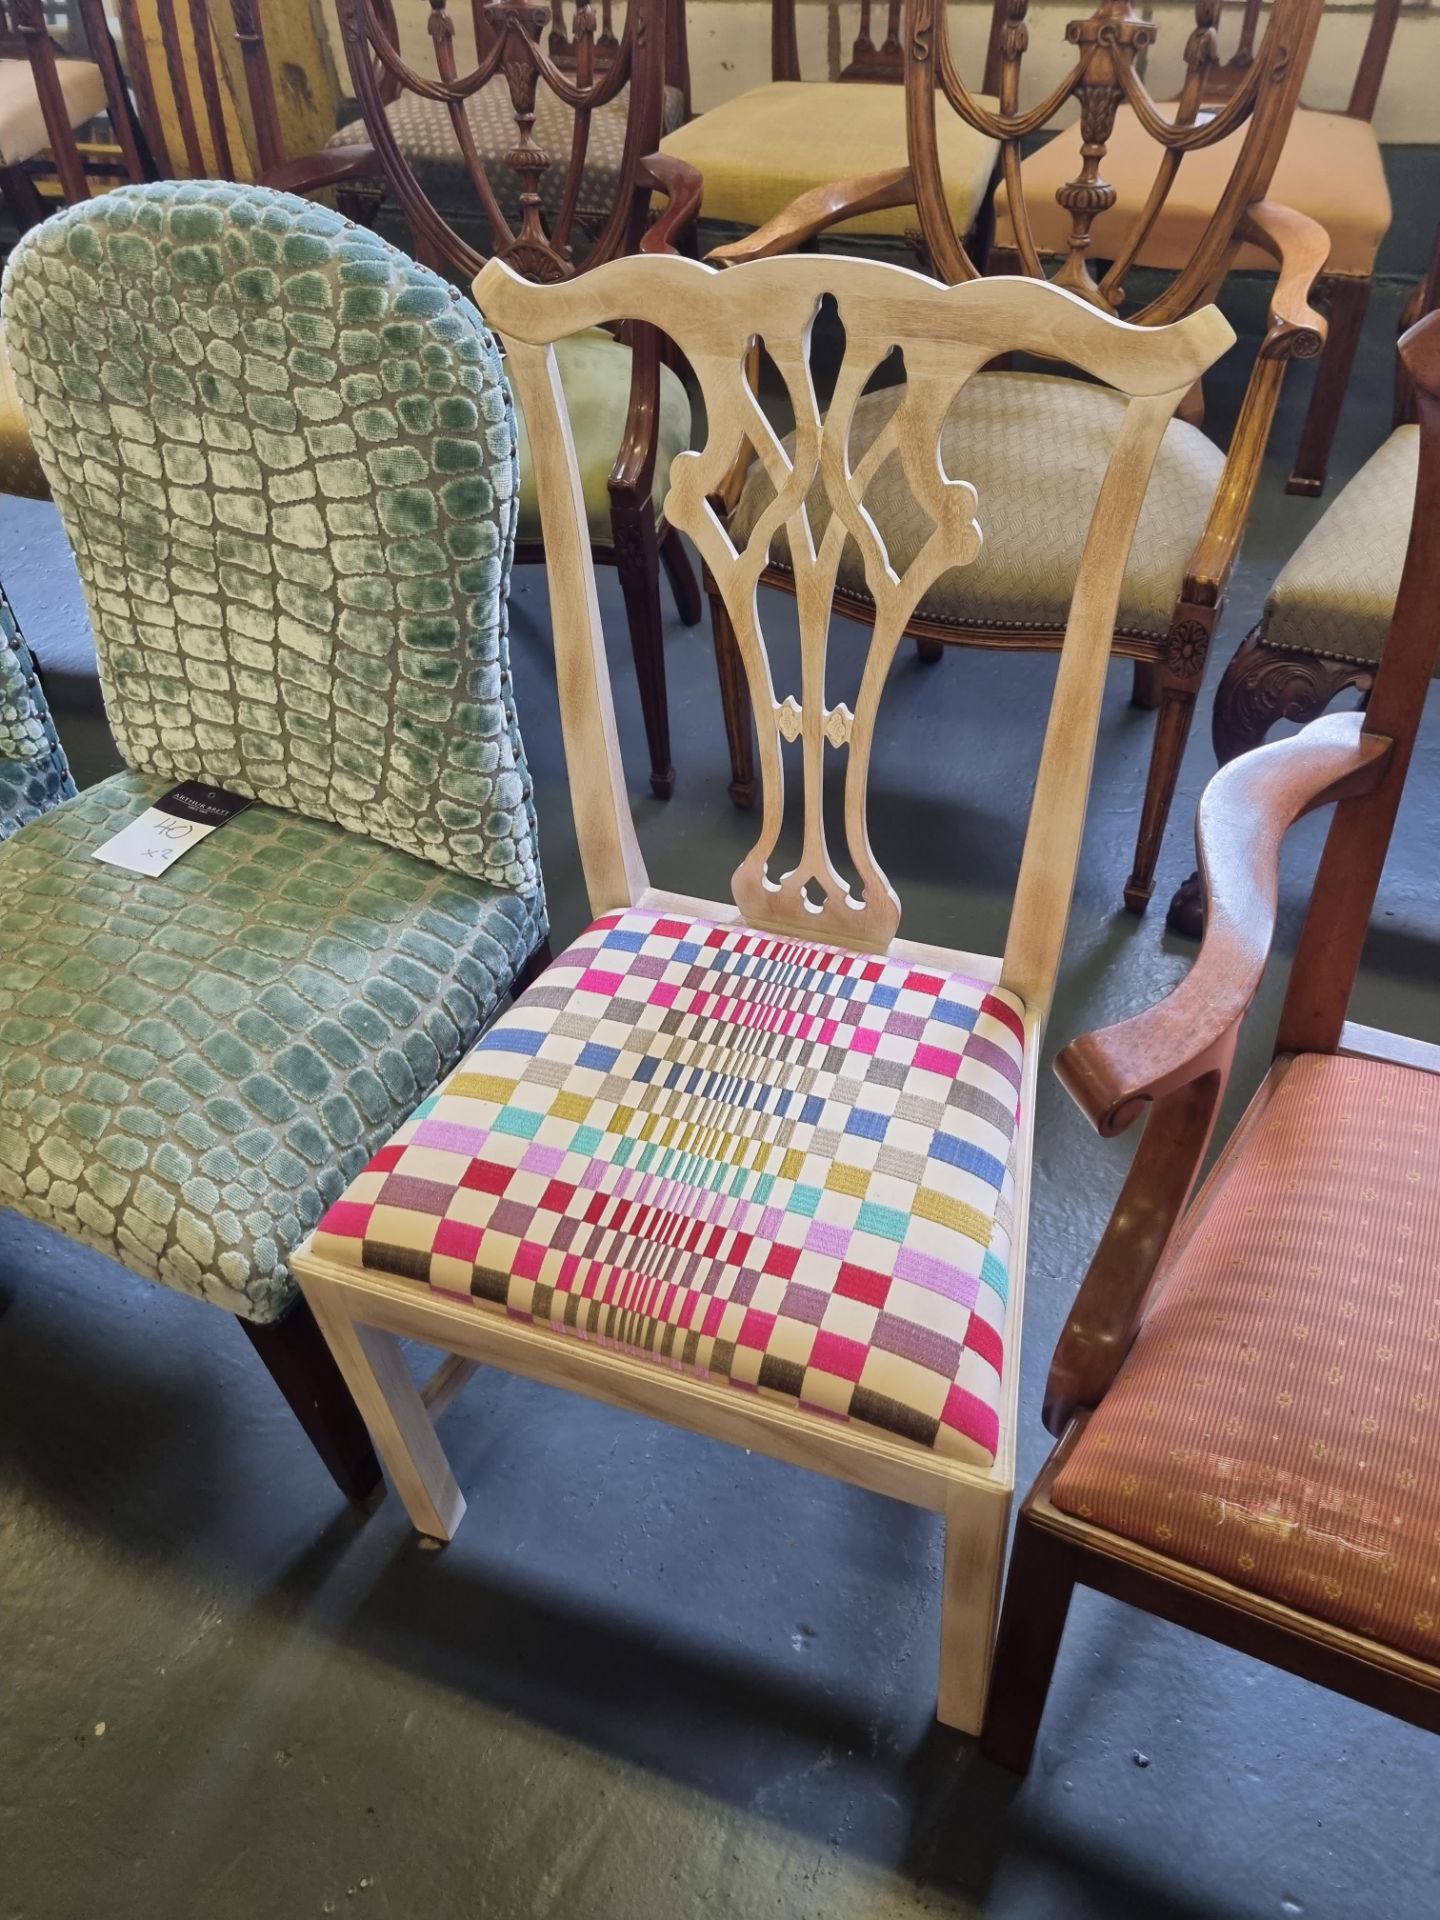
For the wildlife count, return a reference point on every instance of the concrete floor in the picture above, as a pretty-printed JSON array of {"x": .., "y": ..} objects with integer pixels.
[{"x": 654, "y": 1677}]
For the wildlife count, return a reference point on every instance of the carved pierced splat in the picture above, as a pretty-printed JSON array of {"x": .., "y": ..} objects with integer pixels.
[
  {"x": 514, "y": 49},
  {"x": 945, "y": 334},
  {"x": 1109, "y": 43}
]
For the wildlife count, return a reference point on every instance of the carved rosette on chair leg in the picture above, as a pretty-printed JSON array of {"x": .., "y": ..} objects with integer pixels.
[
  {"x": 1180, "y": 674},
  {"x": 1260, "y": 686}
]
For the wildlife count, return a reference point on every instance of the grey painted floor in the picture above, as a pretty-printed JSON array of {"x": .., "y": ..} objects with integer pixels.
[{"x": 653, "y": 1677}]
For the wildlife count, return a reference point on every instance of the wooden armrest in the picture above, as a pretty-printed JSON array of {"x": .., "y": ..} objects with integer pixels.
[
  {"x": 811, "y": 213},
  {"x": 1296, "y": 332},
  {"x": 1245, "y": 813},
  {"x": 1301, "y": 246},
  {"x": 330, "y": 168},
  {"x": 682, "y": 186}
]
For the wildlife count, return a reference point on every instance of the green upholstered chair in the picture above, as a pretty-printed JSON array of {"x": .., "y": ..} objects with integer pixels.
[
  {"x": 285, "y": 457},
  {"x": 34, "y": 775}
]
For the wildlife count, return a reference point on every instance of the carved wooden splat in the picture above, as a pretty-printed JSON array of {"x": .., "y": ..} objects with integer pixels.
[{"x": 945, "y": 334}]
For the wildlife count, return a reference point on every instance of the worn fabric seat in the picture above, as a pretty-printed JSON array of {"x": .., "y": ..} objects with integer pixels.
[
  {"x": 425, "y": 135},
  {"x": 595, "y": 373},
  {"x": 1277, "y": 1421},
  {"x": 22, "y": 124},
  {"x": 1329, "y": 168},
  {"x": 191, "y": 1067},
  {"x": 34, "y": 773},
  {"x": 1336, "y": 593},
  {"x": 764, "y": 148},
  {"x": 1034, "y": 447},
  {"x": 769, "y": 1163}
]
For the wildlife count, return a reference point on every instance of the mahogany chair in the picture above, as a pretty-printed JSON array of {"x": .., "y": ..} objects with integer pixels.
[
  {"x": 1329, "y": 168},
  {"x": 759, "y": 1167},
  {"x": 760, "y": 150},
  {"x": 632, "y": 415},
  {"x": 1246, "y": 1395},
  {"x": 1325, "y": 620},
  {"x": 1038, "y": 442}
]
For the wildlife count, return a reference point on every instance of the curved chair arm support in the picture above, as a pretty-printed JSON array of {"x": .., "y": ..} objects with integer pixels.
[
  {"x": 1112, "y": 1296},
  {"x": 313, "y": 172},
  {"x": 683, "y": 187},
  {"x": 1296, "y": 332},
  {"x": 811, "y": 213},
  {"x": 633, "y": 475},
  {"x": 1245, "y": 813},
  {"x": 1301, "y": 246}
]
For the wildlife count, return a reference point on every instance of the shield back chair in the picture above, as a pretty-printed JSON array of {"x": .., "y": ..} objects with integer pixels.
[
  {"x": 557, "y": 164},
  {"x": 34, "y": 773},
  {"x": 1013, "y": 424},
  {"x": 762, "y": 149},
  {"x": 1245, "y": 1395},
  {"x": 1323, "y": 627},
  {"x": 1329, "y": 168},
  {"x": 759, "y": 1167},
  {"x": 284, "y": 455}
]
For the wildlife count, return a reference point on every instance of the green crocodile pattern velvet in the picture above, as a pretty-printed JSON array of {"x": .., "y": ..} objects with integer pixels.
[
  {"x": 192, "y": 1068},
  {"x": 285, "y": 457},
  {"x": 34, "y": 775}
]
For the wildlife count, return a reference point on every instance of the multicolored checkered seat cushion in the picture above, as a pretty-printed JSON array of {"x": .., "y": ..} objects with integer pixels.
[{"x": 742, "y": 1156}]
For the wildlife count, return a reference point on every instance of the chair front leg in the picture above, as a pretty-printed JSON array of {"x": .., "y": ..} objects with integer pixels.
[
  {"x": 1179, "y": 674},
  {"x": 976, "y": 1522},
  {"x": 1037, "y": 1601},
  {"x": 1348, "y": 300},
  {"x": 390, "y": 1402},
  {"x": 734, "y": 698},
  {"x": 303, "y": 1368},
  {"x": 637, "y": 561},
  {"x": 689, "y": 602}
]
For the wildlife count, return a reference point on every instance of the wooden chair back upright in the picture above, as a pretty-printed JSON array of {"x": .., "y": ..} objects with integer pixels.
[
  {"x": 945, "y": 334},
  {"x": 511, "y": 42},
  {"x": 1108, "y": 46},
  {"x": 885, "y": 62},
  {"x": 1225, "y": 78}
]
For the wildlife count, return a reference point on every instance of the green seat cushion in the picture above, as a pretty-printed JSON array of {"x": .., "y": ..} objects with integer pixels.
[
  {"x": 1337, "y": 592},
  {"x": 192, "y": 1068},
  {"x": 1034, "y": 447},
  {"x": 34, "y": 775},
  {"x": 595, "y": 373}
]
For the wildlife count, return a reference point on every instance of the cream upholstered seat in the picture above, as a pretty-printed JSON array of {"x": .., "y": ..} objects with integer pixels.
[
  {"x": 425, "y": 135},
  {"x": 1336, "y": 594},
  {"x": 22, "y": 124},
  {"x": 1329, "y": 168},
  {"x": 765, "y": 147},
  {"x": 773, "y": 1164},
  {"x": 1034, "y": 447},
  {"x": 595, "y": 373}
]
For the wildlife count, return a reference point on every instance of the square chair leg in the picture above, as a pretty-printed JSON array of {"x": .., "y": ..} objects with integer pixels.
[
  {"x": 300, "y": 1363},
  {"x": 976, "y": 1521}
]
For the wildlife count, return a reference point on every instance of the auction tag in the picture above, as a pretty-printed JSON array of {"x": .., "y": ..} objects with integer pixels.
[{"x": 178, "y": 821}]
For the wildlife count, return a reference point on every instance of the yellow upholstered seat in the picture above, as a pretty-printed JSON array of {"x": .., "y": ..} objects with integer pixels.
[
  {"x": 595, "y": 373},
  {"x": 761, "y": 150},
  {"x": 22, "y": 124},
  {"x": 1330, "y": 169}
]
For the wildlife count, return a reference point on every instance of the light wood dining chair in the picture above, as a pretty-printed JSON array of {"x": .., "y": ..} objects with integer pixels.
[
  {"x": 1245, "y": 1396},
  {"x": 759, "y": 1167}
]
